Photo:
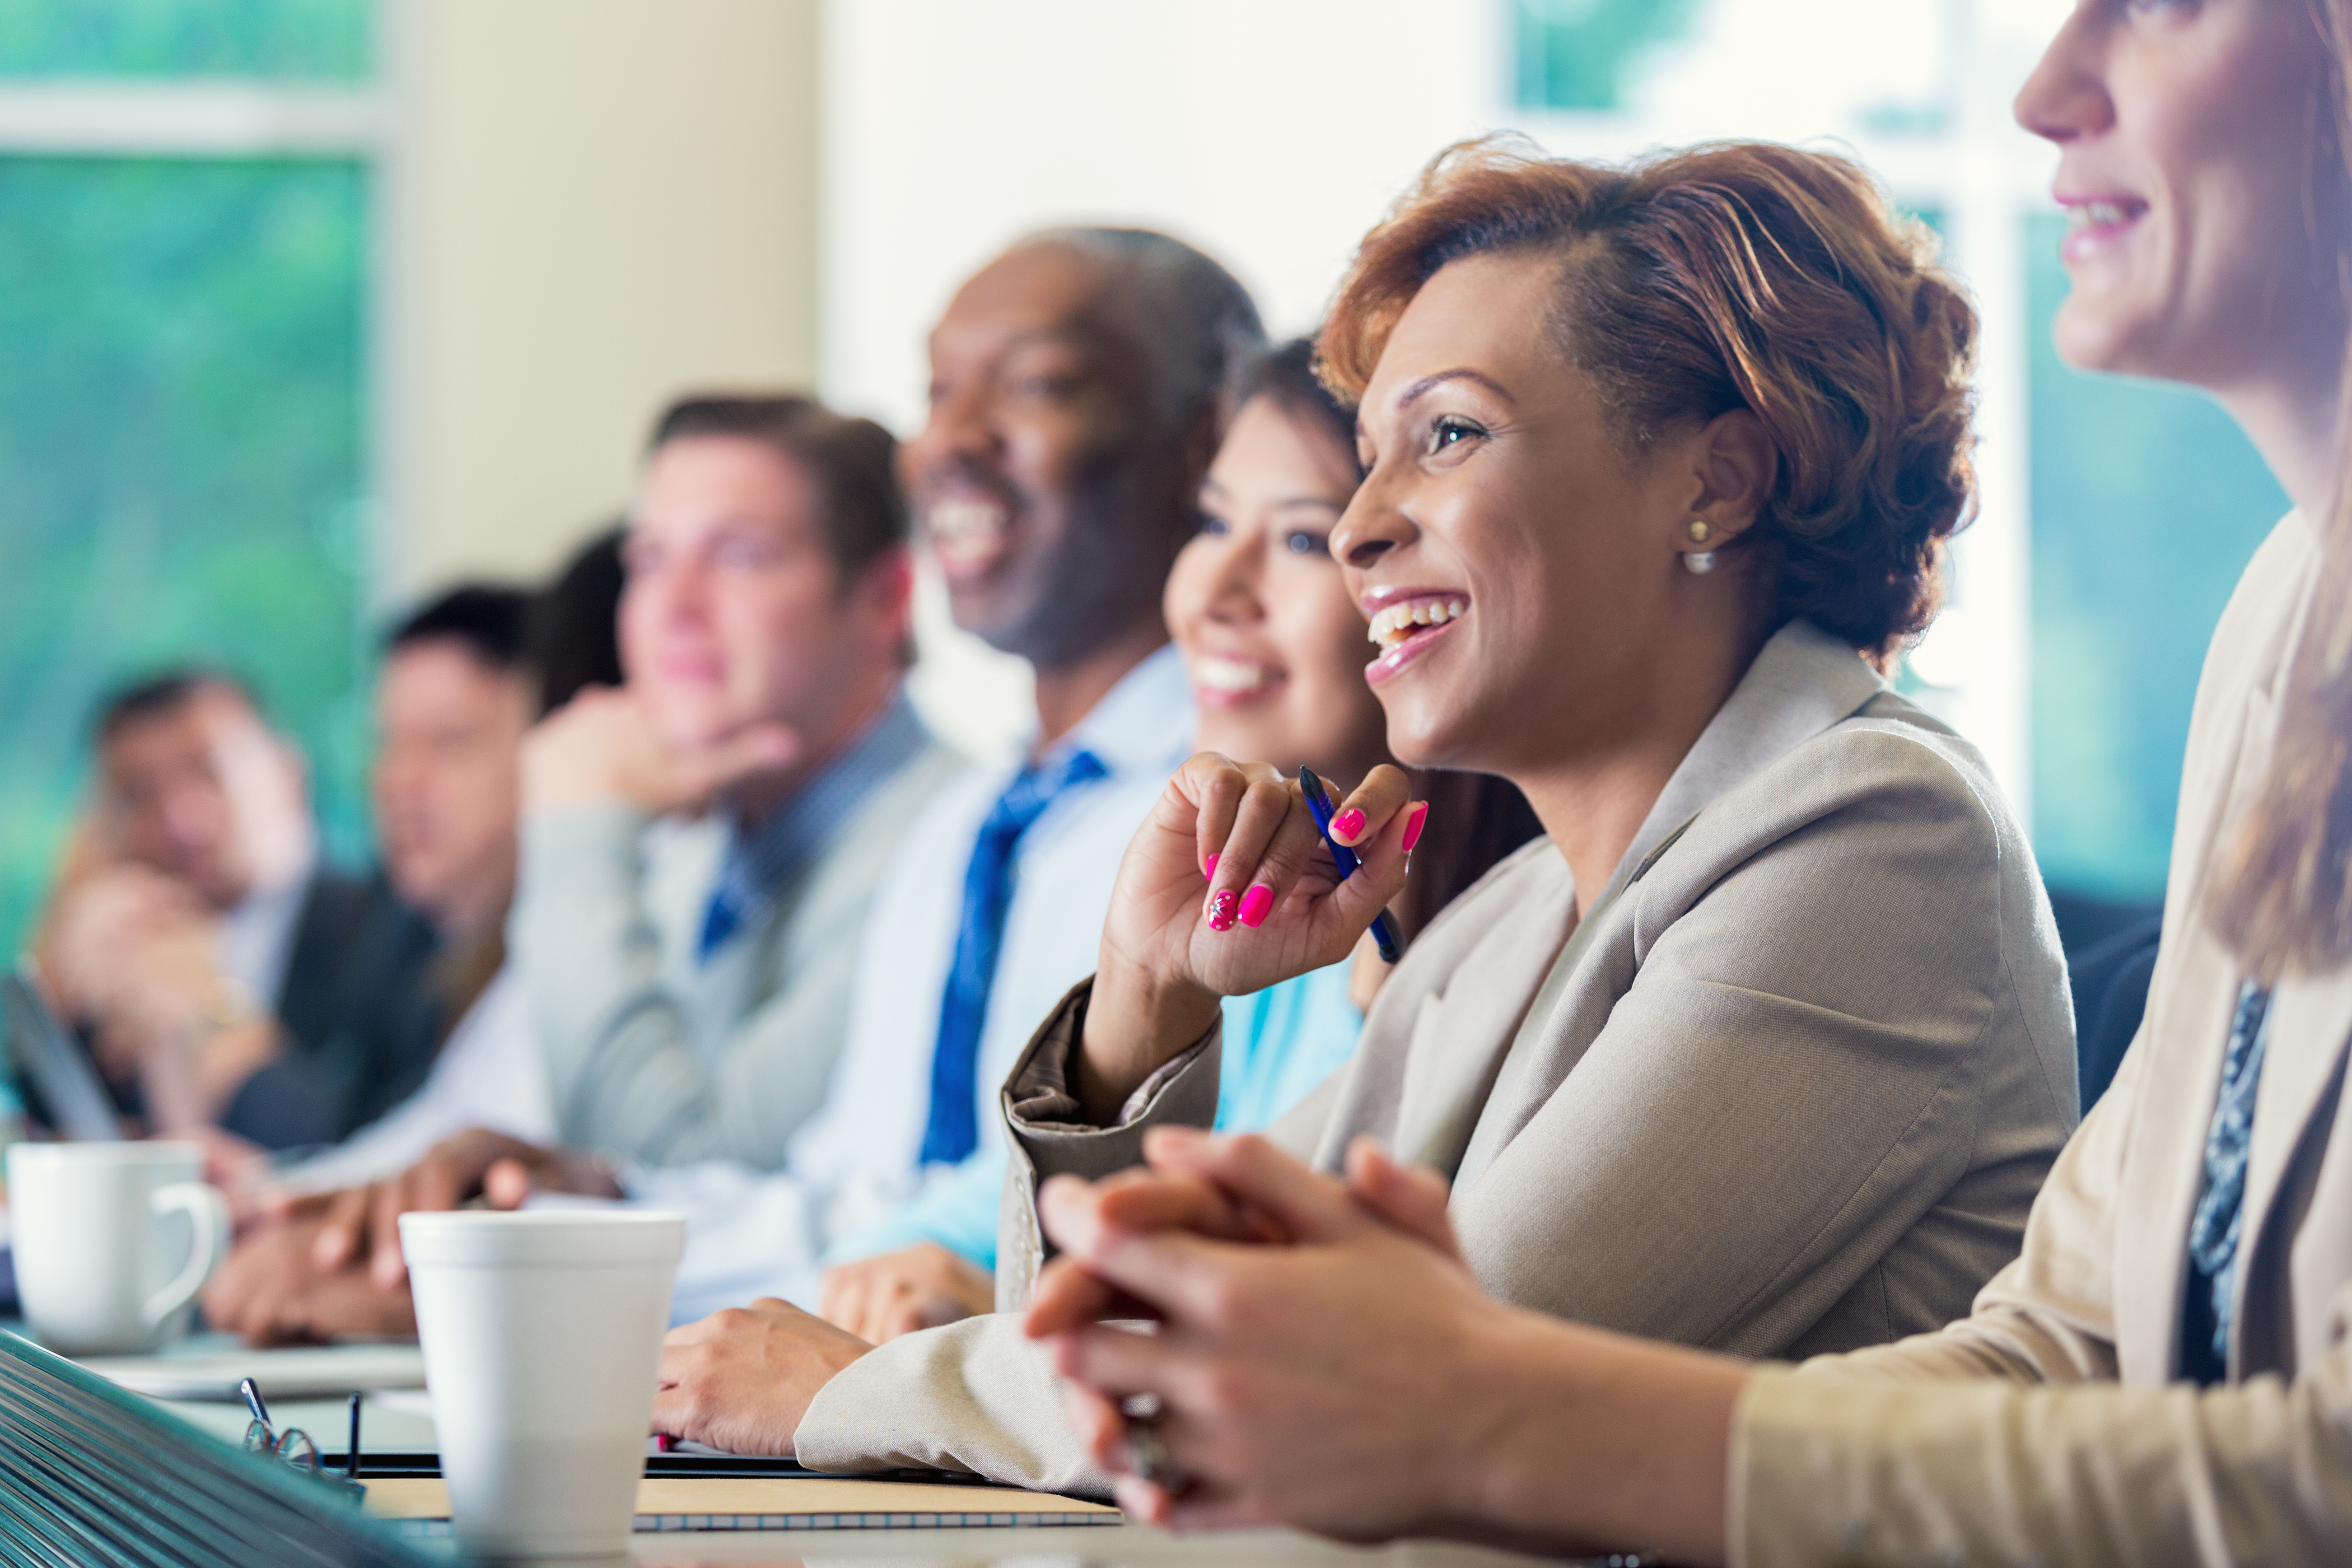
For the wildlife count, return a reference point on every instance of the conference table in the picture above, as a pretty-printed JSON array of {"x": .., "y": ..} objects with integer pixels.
[{"x": 802, "y": 1519}]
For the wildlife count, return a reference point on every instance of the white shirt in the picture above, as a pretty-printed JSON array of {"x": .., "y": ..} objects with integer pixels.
[
  {"x": 857, "y": 1158},
  {"x": 489, "y": 1073},
  {"x": 253, "y": 942}
]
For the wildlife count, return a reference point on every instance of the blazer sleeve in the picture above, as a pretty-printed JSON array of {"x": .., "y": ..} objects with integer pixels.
[
  {"x": 2004, "y": 1438},
  {"x": 622, "y": 1066},
  {"x": 1047, "y": 1137},
  {"x": 1830, "y": 1468},
  {"x": 976, "y": 1396}
]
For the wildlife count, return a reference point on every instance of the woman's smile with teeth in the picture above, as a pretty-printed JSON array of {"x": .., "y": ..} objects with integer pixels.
[
  {"x": 2100, "y": 213},
  {"x": 1391, "y": 627},
  {"x": 1219, "y": 673}
]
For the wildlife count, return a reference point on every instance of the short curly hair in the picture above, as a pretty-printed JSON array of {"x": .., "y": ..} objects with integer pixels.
[{"x": 1731, "y": 274}]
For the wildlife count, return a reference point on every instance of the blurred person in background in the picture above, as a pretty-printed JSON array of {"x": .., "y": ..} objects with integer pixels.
[
  {"x": 1079, "y": 385},
  {"x": 229, "y": 977},
  {"x": 701, "y": 845},
  {"x": 576, "y": 638},
  {"x": 456, "y": 693},
  {"x": 1274, "y": 648}
]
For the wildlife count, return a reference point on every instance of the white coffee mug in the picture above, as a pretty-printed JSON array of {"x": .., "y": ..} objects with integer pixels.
[
  {"x": 104, "y": 1265},
  {"x": 543, "y": 1335}
]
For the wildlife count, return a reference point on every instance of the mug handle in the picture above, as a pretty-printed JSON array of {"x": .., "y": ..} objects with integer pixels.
[{"x": 208, "y": 1230}]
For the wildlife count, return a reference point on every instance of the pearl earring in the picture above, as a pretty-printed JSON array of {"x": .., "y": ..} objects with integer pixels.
[{"x": 1699, "y": 563}]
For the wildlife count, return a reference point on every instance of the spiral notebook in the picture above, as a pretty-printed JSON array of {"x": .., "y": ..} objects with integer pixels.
[
  {"x": 418, "y": 1505},
  {"x": 98, "y": 1474}
]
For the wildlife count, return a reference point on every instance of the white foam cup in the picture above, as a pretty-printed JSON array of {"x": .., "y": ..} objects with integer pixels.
[
  {"x": 543, "y": 1335},
  {"x": 112, "y": 1241}
]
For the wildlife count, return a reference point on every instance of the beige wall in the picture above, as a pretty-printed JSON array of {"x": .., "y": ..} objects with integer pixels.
[{"x": 594, "y": 204}]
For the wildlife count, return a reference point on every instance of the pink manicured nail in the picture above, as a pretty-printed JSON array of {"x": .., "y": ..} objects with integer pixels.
[
  {"x": 1255, "y": 903},
  {"x": 1413, "y": 825},
  {"x": 1222, "y": 905},
  {"x": 1349, "y": 823},
  {"x": 1210, "y": 871}
]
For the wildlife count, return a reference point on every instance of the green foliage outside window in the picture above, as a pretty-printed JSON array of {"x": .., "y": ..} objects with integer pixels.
[
  {"x": 1578, "y": 53},
  {"x": 181, "y": 463},
  {"x": 2147, "y": 503},
  {"x": 312, "y": 39}
]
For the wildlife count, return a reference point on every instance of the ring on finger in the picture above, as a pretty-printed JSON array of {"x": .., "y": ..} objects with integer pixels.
[{"x": 1147, "y": 1444}]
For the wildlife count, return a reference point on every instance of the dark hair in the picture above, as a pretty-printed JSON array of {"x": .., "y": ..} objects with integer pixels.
[
  {"x": 164, "y": 693},
  {"x": 1474, "y": 820},
  {"x": 1193, "y": 319},
  {"x": 1736, "y": 275},
  {"x": 861, "y": 511},
  {"x": 489, "y": 620},
  {"x": 1285, "y": 376},
  {"x": 575, "y": 637}
]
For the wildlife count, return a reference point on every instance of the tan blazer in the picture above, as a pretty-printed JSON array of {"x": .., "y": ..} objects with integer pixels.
[
  {"x": 2128, "y": 1470},
  {"x": 1811, "y": 1057}
]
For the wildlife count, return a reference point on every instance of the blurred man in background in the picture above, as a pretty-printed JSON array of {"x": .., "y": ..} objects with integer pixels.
[
  {"x": 699, "y": 847},
  {"x": 1078, "y": 388},
  {"x": 223, "y": 972},
  {"x": 456, "y": 694}
]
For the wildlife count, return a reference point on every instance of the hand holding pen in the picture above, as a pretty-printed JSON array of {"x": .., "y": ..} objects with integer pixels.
[
  {"x": 1327, "y": 818},
  {"x": 1232, "y": 886}
]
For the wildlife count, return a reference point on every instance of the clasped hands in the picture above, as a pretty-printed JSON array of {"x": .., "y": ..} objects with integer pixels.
[
  {"x": 1305, "y": 1329},
  {"x": 329, "y": 1264}
]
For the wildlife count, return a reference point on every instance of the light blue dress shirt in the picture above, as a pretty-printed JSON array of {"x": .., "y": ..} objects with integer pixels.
[{"x": 1279, "y": 1044}]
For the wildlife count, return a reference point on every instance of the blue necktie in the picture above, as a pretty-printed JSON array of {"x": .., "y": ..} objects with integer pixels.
[
  {"x": 721, "y": 918},
  {"x": 741, "y": 890},
  {"x": 2214, "y": 1230},
  {"x": 954, "y": 1131}
]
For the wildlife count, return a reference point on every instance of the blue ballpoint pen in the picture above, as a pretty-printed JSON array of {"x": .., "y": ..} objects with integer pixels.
[{"x": 1384, "y": 932}]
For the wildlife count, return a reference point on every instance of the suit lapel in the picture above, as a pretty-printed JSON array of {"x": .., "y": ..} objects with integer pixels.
[
  {"x": 2310, "y": 1022},
  {"x": 1460, "y": 1038},
  {"x": 1803, "y": 682},
  {"x": 2189, "y": 1011},
  {"x": 2164, "y": 1168}
]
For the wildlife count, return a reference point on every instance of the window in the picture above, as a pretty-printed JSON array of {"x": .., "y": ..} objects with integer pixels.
[
  {"x": 1575, "y": 54},
  {"x": 315, "y": 40},
  {"x": 183, "y": 402}
]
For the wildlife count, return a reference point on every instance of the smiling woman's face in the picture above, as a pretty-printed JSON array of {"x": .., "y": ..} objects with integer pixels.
[
  {"x": 1519, "y": 567},
  {"x": 1259, "y": 609},
  {"x": 2180, "y": 124}
]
